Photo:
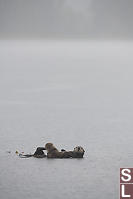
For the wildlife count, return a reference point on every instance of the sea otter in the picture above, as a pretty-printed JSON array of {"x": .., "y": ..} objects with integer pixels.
[
  {"x": 53, "y": 152},
  {"x": 78, "y": 152}
]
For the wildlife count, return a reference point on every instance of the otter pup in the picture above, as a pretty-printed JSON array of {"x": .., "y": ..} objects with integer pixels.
[
  {"x": 38, "y": 153},
  {"x": 52, "y": 151}
]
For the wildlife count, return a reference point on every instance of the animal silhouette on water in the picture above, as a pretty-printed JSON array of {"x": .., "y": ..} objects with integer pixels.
[{"x": 53, "y": 152}]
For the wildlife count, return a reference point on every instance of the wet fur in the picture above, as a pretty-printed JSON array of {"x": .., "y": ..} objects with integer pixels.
[{"x": 53, "y": 152}]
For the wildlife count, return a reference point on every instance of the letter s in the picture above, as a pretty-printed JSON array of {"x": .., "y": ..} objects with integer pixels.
[{"x": 125, "y": 172}]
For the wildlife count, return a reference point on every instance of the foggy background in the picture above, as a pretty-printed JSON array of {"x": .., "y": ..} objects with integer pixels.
[
  {"x": 66, "y": 19},
  {"x": 61, "y": 82}
]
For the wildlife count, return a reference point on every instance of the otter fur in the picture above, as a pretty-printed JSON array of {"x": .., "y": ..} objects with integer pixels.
[
  {"x": 78, "y": 152},
  {"x": 53, "y": 152}
]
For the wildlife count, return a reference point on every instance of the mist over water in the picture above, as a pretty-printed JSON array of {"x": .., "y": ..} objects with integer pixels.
[
  {"x": 65, "y": 77},
  {"x": 92, "y": 19},
  {"x": 69, "y": 93}
]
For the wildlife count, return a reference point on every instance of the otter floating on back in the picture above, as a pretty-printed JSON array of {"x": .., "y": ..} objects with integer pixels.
[{"x": 53, "y": 152}]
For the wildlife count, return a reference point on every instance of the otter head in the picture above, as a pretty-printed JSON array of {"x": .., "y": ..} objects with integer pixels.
[
  {"x": 79, "y": 149},
  {"x": 50, "y": 147}
]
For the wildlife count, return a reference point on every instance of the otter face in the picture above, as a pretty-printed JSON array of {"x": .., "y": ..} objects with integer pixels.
[
  {"x": 79, "y": 149},
  {"x": 48, "y": 146}
]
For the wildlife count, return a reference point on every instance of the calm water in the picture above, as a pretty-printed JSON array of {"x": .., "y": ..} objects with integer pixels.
[{"x": 69, "y": 93}]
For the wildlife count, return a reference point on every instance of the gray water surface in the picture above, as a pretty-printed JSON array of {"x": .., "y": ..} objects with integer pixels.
[{"x": 69, "y": 93}]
